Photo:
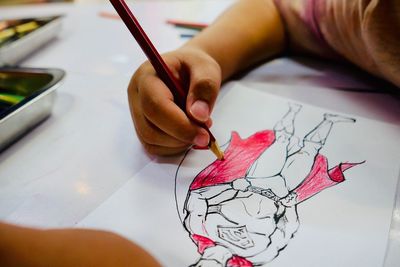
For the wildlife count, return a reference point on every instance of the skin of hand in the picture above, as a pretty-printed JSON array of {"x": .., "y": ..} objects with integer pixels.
[
  {"x": 231, "y": 44},
  {"x": 162, "y": 127},
  {"x": 28, "y": 247}
]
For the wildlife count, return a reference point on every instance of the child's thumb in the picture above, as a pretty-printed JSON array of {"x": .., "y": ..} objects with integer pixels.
[{"x": 201, "y": 98}]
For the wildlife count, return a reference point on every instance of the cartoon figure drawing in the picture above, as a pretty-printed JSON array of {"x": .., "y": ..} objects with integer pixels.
[{"x": 242, "y": 211}]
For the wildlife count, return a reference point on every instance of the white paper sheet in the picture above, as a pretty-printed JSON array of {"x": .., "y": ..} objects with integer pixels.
[{"x": 346, "y": 224}]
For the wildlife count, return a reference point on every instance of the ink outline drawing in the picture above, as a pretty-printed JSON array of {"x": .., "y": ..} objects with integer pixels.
[{"x": 242, "y": 211}]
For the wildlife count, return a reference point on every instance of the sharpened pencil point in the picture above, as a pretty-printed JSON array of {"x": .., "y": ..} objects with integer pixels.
[{"x": 214, "y": 147}]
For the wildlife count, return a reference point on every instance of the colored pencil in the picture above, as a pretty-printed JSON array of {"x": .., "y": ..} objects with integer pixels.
[
  {"x": 187, "y": 24},
  {"x": 186, "y": 35},
  {"x": 159, "y": 65},
  {"x": 108, "y": 15}
]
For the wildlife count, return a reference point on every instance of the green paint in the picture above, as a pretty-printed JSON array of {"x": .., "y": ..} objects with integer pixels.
[{"x": 11, "y": 99}]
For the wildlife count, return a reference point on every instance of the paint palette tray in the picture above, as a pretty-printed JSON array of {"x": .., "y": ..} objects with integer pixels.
[
  {"x": 26, "y": 99},
  {"x": 21, "y": 37}
]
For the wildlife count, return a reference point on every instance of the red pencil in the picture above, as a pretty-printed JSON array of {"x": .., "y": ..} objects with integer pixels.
[{"x": 159, "y": 65}]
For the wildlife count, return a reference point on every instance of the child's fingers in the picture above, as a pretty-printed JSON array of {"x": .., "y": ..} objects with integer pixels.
[
  {"x": 158, "y": 108},
  {"x": 155, "y": 141},
  {"x": 205, "y": 82},
  {"x": 150, "y": 134},
  {"x": 161, "y": 126}
]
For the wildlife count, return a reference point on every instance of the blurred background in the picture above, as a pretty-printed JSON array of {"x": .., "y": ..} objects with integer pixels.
[{"x": 22, "y": 2}]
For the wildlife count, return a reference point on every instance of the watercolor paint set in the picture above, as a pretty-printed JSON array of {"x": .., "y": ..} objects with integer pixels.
[
  {"x": 26, "y": 94},
  {"x": 26, "y": 98},
  {"x": 20, "y": 37}
]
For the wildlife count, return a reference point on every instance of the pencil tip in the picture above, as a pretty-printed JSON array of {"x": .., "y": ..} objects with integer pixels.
[{"x": 216, "y": 150}]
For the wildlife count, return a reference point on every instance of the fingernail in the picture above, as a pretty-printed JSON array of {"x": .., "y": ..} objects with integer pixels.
[
  {"x": 200, "y": 110},
  {"x": 209, "y": 123},
  {"x": 201, "y": 139}
]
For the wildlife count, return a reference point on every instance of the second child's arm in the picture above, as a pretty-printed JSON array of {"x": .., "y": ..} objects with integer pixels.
[{"x": 29, "y": 247}]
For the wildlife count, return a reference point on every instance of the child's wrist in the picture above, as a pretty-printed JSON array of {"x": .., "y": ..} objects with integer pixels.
[
  {"x": 195, "y": 48},
  {"x": 198, "y": 48}
]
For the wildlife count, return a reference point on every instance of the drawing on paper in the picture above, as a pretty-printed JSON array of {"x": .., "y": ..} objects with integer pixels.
[{"x": 242, "y": 211}]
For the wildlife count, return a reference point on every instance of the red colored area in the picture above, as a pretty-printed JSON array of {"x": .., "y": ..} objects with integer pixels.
[
  {"x": 202, "y": 242},
  {"x": 238, "y": 158},
  {"x": 237, "y": 261},
  {"x": 320, "y": 178}
]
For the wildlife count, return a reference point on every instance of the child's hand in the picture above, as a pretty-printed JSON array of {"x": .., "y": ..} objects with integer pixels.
[{"x": 162, "y": 127}]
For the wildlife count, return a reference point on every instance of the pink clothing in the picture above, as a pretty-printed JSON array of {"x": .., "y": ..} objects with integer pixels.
[{"x": 364, "y": 32}]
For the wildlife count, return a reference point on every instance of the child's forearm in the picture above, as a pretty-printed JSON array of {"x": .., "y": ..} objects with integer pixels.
[
  {"x": 20, "y": 246},
  {"x": 248, "y": 32}
]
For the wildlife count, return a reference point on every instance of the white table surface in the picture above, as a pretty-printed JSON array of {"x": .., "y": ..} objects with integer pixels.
[{"x": 65, "y": 168}]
